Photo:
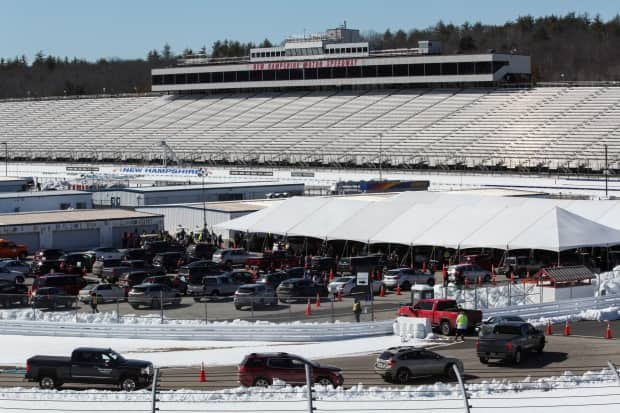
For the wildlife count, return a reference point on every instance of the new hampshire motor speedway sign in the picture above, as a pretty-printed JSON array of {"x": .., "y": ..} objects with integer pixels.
[{"x": 132, "y": 170}]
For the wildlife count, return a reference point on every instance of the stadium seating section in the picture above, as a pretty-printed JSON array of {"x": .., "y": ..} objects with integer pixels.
[{"x": 553, "y": 127}]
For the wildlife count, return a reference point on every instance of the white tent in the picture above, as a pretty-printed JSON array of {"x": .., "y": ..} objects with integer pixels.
[{"x": 327, "y": 218}]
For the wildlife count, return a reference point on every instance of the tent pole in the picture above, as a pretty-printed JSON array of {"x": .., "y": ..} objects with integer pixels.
[{"x": 558, "y": 258}]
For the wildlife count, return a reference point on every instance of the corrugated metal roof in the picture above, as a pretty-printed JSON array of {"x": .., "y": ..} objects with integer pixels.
[
  {"x": 39, "y": 194},
  {"x": 50, "y": 217},
  {"x": 568, "y": 274},
  {"x": 207, "y": 187}
]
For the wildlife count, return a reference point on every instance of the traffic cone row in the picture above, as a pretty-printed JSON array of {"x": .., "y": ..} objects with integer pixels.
[
  {"x": 549, "y": 329},
  {"x": 202, "y": 377}
]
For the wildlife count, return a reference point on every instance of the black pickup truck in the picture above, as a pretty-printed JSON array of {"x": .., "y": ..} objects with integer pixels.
[
  {"x": 508, "y": 342},
  {"x": 89, "y": 366}
]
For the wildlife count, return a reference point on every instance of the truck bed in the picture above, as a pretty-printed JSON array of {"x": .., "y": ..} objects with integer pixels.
[{"x": 51, "y": 360}]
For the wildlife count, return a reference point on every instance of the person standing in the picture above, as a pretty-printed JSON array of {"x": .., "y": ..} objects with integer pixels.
[
  {"x": 357, "y": 309},
  {"x": 462, "y": 323},
  {"x": 93, "y": 302}
]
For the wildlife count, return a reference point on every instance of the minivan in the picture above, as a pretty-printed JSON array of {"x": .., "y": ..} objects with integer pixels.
[{"x": 70, "y": 283}]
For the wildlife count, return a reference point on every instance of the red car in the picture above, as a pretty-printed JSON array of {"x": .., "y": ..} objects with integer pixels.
[
  {"x": 260, "y": 369},
  {"x": 441, "y": 312}
]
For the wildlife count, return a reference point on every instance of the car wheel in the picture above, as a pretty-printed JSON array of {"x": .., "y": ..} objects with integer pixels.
[
  {"x": 430, "y": 282},
  {"x": 128, "y": 384},
  {"x": 261, "y": 382},
  {"x": 484, "y": 360},
  {"x": 487, "y": 278},
  {"x": 47, "y": 383},
  {"x": 540, "y": 347},
  {"x": 445, "y": 328},
  {"x": 197, "y": 299},
  {"x": 325, "y": 381},
  {"x": 155, "y": 304},
  {"x": 516, "y": 358},
  {"x": 450, "y": 373},
  {"x": 215, "y": 293},
  {"x": 134, "y": 306},
  {"x": 403, "y": 375}
]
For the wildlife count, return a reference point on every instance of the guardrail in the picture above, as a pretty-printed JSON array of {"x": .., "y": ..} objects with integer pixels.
[
  {"x": 557, "y": 308},
  {"x": 228, "y": 331}
]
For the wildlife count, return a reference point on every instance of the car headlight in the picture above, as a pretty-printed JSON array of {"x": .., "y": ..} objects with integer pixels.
[{"x": 146, "y": 371}]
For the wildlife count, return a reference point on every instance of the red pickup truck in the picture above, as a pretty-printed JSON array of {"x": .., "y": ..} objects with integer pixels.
[
  {"x": 272, "y": 259},
  {"x": 441, "y": 312}
]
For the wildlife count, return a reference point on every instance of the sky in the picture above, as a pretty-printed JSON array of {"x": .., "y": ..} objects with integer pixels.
[{"x": 130, "y": 28}]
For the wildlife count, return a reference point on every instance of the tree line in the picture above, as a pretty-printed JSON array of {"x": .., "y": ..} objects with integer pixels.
[{"x": 570, "y": 47}]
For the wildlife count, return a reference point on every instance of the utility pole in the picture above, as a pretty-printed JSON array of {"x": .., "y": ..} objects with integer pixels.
[
  {"x": 204, "y": 204},
  {"x": 606, "y": 171}
]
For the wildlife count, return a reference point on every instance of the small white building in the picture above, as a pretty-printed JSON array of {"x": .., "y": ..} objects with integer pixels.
[
  {"x": 75, "y": 230},
  {"x": 44, "y": 201},
  {"x": 193, "y": 217},
  {"x": 136, "y": 197}
]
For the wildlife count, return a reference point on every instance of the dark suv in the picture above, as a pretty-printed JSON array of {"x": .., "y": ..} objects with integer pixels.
[
  {"x": 260, "y": 369},
  {"x": 201, "y": 251},
  {"x": 299, "y": 289},
  {"x": 75, "y": 263},
  {"x": 168, "y": 261}
]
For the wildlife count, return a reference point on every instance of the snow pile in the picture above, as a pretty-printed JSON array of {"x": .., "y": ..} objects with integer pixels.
[
  {"x": 608, "y": 282},
  {"x": 491, "y": 297},
  {"x": 605, "y": 314}
]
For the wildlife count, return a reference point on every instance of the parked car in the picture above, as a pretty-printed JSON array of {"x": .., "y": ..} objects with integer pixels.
[
  {"x": 272, "y": 259},
  {"x": 231, "y": 256},
  {"x": 10, "y": 249},
  {"x": 406, "y": 277},
  {"x": 153, "y": 296},
  {"x": 364, "y": 263},
  {"x": 401, "y": 364},
  {"x": 105, "y": 253},
  {"x": 200, "y": 250},
  {"x": 154, "y": 247},
  {"x": 260, "y": 369},
  {"x": 214, "y": 286},
  {"x": 12, "y": 294},
  {"x": 323, "y": 263},
  {"x": 274, "y": 279},
  {"x": 520, "y": 266},
  {"x": 104, "y": 292},
  {"x": 193, "y": 272},
  {"x": 89, "y": 366},
  {"x": 15, "y": 265},
  {"x": 47, "y": 254},
  {"x": 45, "y": 267},
  {"x": 348, "y": 286},
  {"x": 442, "y": 312},
  {"x": 136, "y": 254},
  {"x": 472, "y": 272},
  {"x": 487, "y": 325},
  {"x": 132, "y": 278},
  {"x": 51, "y": 298},
  {"x": 509, "y": 341},
  {"x": 112, "y": 273},
  {"x": 168, "y": 261},
  {"x": 240, "y": 276},
  {"x": 484, "y": 261},
  {"x": 172, "y": 282},
  {"x": 71, "y": 284},
  {"x": 75, "y": 263},
  {"x": 254, "y": 296},
  {"x": 295, "y": 289},
  {"x": 15, "y": 277},
  {"x": 100, "y": 264}
]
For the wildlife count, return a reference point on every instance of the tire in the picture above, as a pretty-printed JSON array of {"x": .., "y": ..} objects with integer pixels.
[
  {"x": 484, "y": 360},
  {"x": 431, "y": 282},
  {"x": 128, "y": 384},
  {"x": 487, "y": 278},
  {"x": 134, "y": 306},
  {"x": 155, "y": 304},
  {"x": 516, "y": 358},
  {"x": 215, "y": 293},
  {"x": 324, "y": 381},
  {"x": 541, "y": 346},
  {"x": 197, "y": 299},
  {"x": 403, "y": 375},
  {"x": 47, "y": 382},
  {"x": 445, "y": 328},
  {"x": 238, "y": 307},
  {"x": 450, "y": 373},
  {"x": 261, "y": 382}
]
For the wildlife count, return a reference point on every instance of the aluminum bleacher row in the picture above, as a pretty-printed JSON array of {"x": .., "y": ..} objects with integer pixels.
[{"x": 550, "y": 126}]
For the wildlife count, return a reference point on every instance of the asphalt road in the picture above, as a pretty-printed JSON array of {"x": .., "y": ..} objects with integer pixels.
[{"x": 585, "y": 349}]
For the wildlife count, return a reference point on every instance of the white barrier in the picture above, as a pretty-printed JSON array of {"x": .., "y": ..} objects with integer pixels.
[
  {"x": 293, "y": 332},
  {"x": 412, "y": 327}
]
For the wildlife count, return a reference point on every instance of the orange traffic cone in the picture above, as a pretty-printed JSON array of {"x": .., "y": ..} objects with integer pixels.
[
  {"x": 331, "y": 275},
  {"x": 308, "y": 308},
  {"x": 339, "y": 295},
  {"x": 480, "y": 281},
  {"x": 466, "y": 282},
  {"x": 549, "y": 329},
  {"x": 567, "y": 329},
  {"x": 493, "y": 278},
  {"x": 202, "y": 377},
  {"x": 382, "y": 292},
  {"x": 398, "y": 289},
  {"x": 512, "y": 278},
  {"x": 423, "y": 266},
  {"x": 318, "y": 300},
  {"x": 608, "y": 335}
]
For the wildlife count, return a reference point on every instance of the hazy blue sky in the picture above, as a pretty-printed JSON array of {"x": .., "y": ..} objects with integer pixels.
[{"x": 129, "y": 28}]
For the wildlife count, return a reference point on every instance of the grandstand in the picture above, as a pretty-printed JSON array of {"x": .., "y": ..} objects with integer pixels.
[
  {"x": 541, "y": 127},
  {"x": 408, "y": 109}
]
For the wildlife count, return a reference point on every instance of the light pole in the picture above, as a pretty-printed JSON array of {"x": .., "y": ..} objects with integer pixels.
[
  {"x": 606, "y": 171},
  {"x": 202, "y": 174},
  {"x": 6, "y": 158},
  {"x": 380, "y": 157}
]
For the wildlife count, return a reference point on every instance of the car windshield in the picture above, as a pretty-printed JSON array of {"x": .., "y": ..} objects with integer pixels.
[
  {"x": 343, "y": 279},
  {"x": 115, "y": 356},
  {"x": 506, "y": 329},
  {"x": 90, "y": 286},
  {"x": 386, "y": 355}
]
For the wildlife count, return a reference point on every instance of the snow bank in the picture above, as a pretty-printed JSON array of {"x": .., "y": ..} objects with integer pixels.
[{"x": 491, "y": 297}]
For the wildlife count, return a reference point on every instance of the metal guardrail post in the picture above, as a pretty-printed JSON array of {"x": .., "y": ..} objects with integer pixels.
[
  {"x": 118, "y": 311},
  {"x": 206, "y": 314},
  {"x": 331, "y": 303},
  {"x": 614, "y": 369},
  {"x": 309, "y": 383},
  {"x": 161, "y": 307},
  {"x": 252, "y": 307},
  {"x": 462, "y": 386},
  {"x": 154, "y": 391}
]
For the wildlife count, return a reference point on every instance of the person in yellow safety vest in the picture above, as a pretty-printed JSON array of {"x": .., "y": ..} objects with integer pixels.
[
  {"x": 357, "y": 309},
  {"x": 462, "y": 323}
]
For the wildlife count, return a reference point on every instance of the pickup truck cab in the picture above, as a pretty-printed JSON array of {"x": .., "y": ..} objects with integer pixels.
[
  {"x": 520, "y": 266},
  {"x": 269, "y": 259},
  {"x": 441, "y": 312},
  {"x": 509, "y": 341},
  {"x": 89, "y": 365}
]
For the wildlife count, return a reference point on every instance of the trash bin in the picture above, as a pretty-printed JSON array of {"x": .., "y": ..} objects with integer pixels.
[{"x": 421, "y": 292}]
